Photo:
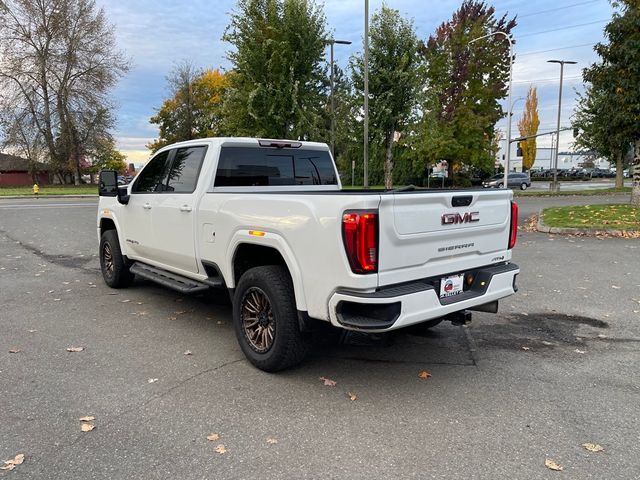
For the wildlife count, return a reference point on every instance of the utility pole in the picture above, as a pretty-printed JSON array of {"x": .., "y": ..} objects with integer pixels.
[
  {"x": 510, "y": 106},
  {"x": 332, "y": 42},
  {"x": 366, "y": 93},
  {"x": 554, "y": 185}
]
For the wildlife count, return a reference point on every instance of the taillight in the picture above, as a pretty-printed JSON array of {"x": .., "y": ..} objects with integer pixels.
[
  {"x": 513, "y": 232},
  {"x": 360, "y": 236}
]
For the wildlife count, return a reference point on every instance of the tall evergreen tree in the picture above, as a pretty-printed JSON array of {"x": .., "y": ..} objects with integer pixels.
[{"x": 279, "y": 82}]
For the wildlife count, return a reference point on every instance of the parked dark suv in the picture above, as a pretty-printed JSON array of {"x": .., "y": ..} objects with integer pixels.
[{"x": 516, "y": 180}]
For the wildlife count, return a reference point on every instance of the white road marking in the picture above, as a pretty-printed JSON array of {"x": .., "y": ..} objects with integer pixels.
[{"x": 49, "y": 205}]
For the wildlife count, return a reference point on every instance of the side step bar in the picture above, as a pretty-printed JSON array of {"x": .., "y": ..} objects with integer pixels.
[{"x": 168, "y": 279}]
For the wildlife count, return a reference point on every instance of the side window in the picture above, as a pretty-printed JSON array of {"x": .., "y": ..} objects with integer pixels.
[
  {"x": 185, "y": 169},
  {"x": 154, "y": 176}
]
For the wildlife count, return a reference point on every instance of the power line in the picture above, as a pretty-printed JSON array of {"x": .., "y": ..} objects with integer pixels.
[
  {"x": 564, "y": 28},
  {"x": 556, "y": 9},
  {"x": 545, "y": 80},
  {"x": 555, "y": 49}
]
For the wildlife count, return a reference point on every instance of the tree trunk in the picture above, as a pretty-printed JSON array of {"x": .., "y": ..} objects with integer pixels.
[
  {"x": 388, "y": 162},
  {"x": 635, "y": 190},
  {"x": 619, "y": 170}
]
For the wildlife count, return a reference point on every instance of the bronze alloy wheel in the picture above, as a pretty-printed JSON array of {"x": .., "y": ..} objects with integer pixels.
[
  {"x": 257, "y": 318},
  {"x": 107, "y": 257}
]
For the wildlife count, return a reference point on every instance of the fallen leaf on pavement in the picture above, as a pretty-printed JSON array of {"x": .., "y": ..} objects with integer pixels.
[
  {"x": 328, "y": 382},
  {"x": 188, "y": 352},
  {"x": 87, "y": 418},
  {"x": 526, "y": 348},
  {"x": 220, "y": 449},
  {"x": 272, "y": 441},
  {"x": 15, "y": 350},
  {"x": 75, "y": 349},
  {"x": 173, "y": 318},
  {"x": 615, "y": 286},
  {"x": 152, "y": 380},
  {"x": 213, "y": 437},
  {"x": 87, "y": 427},
  {"x": 577, "y": 350},
  {"x": 602, "y": 335},
  {"x": 352, "y": 396},
  {"x": 593, "y": 447},
  {"x": 551, "y": 465},
  {"x": 11, "y": 464},
  {"x": 424, "y": 375}
]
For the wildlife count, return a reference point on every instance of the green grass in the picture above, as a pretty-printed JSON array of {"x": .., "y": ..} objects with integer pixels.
[
  {"x": 618, "y": 217},
  {"x": 582, "y": 193},
  {"x": 50, "y": 190}
]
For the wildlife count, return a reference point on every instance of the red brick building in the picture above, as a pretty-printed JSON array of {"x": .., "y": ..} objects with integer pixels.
[{"x": 14, "y": 171}]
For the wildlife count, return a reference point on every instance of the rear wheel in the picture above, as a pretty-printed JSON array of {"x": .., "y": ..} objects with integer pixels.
[
  {"x": 523, "y": 186},
  {"x": 266, "y": 320},
  {"x": 500, "y": 185},
  {"x": 115, "y": 271}
]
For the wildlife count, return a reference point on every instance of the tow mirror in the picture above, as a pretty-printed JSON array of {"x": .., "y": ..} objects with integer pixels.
[{"x": 108, "y": 184}]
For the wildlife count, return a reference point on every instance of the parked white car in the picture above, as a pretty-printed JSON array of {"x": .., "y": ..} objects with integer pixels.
[{"x": 268, "y": 221}]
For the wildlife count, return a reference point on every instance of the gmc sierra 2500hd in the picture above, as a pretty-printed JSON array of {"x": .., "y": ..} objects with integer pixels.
[{"x": 269, "y": 221}]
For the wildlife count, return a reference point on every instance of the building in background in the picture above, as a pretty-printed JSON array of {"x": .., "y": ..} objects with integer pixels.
[{"x": 14, "y": 171}]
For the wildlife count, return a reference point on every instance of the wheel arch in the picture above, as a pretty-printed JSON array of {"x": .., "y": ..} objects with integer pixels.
[{"x": 245, "y": 253}]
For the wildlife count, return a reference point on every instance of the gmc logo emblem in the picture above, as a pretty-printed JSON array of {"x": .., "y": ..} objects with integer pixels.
[{"x": 454, "y": 218}]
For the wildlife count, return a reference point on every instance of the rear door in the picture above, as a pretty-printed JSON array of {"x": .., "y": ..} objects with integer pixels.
[
  {"x": 426, "y": 234},
  {"x": 175, "y": 210}
]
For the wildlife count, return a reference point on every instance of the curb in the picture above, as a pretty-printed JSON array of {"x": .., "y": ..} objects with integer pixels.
[
  {"x": 35, "y": 197},
  {"x": 541, "y": 227}
]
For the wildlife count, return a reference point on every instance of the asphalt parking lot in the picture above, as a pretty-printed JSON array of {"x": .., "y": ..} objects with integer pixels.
[{"x": 557, "y": 367}]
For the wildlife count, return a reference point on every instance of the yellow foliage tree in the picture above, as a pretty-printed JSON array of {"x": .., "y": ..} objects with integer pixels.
[{"x": 528, "y": 125}]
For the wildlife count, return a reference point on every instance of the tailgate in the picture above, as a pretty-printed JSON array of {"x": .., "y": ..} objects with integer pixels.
[{"x": 424, "y": 234}]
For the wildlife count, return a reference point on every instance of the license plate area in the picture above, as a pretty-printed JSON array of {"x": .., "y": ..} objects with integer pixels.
[{"x": 451, "y": 286}]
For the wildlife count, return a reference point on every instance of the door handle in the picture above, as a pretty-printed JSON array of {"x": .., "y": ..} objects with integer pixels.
[
  {"x": 146, "y": 206},
  {"x": 185, "y": 208}
]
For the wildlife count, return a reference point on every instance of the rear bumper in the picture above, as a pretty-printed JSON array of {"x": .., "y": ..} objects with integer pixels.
[{"x": 402, "y": 305}]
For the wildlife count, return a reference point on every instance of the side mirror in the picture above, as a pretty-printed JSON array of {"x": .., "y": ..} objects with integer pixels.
[
  {"x": 108, "y": 184},
  {"x": 123, "y": 194}
]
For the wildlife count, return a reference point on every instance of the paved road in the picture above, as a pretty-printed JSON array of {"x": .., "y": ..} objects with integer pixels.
[{"x": 491, "y": 409}]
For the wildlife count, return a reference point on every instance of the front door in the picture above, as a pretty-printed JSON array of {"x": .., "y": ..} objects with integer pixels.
[
  {"x": 175, "y": 211},
  {"x": 137, "y": 216}
]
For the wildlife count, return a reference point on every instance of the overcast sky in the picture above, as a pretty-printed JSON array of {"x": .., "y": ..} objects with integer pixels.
[{"x": 158, "y": 33}]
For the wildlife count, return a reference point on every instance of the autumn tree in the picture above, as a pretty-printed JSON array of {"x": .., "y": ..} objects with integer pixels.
[
  {"x": 279, "y": 84},
  {"x": 615, "y": 82},
  {"x": 528, "y": 126},
  {"x": 464, "y": 85},
  {"x": 105, "y": 156},
  {"x": 194, "y": 109},
  {"x": 393, "y": 65},
  {"x": 58, "y": 62}
]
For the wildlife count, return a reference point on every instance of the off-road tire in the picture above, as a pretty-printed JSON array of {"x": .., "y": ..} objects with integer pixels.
[
  {"x": 288, "y": 347},
  {"x": 115, "y": 270}
]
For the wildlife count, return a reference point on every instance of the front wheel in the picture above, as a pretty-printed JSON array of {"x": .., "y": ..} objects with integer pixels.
[
  {"x": 500, "y": 185},
  {"x": 115, "y": 271},
  {"x": 266, "y": 320},
  {"x": 523, "y": 186}
]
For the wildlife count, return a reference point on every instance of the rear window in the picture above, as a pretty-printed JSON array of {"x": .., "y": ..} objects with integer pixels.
[{"x": 249, "y": 166}]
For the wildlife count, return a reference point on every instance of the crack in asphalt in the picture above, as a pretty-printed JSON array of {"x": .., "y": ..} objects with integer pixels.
[{"x": 67, "y": 261}]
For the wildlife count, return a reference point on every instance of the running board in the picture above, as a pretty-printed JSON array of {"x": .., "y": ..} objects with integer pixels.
[{"x": 168, "y": 279}]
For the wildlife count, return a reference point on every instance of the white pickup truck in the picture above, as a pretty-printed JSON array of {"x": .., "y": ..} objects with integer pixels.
[{"x": 269, "y": 222}]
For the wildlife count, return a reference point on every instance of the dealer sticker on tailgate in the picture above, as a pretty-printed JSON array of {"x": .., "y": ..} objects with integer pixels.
[{"x": 450, "y": 286}]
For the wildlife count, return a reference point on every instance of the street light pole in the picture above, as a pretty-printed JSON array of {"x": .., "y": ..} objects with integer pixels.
[
  {"x": 366, "y": 93},
  {"x": 554, "y": 185},
  {"x": 510, "y": 106},
  {"x": 332, "y": 42}
]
